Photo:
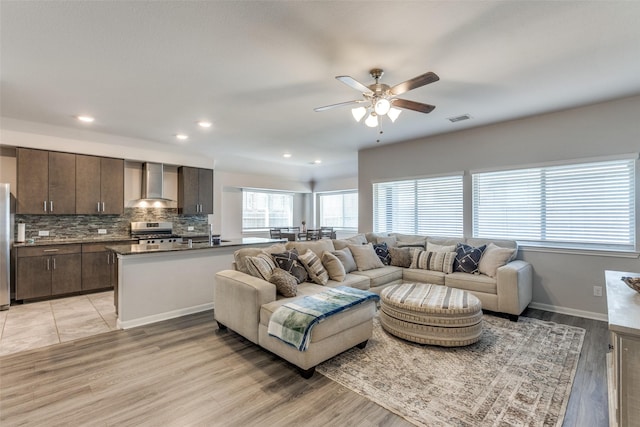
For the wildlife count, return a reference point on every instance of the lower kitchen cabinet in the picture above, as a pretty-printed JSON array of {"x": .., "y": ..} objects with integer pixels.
[
  {"x": 43, "y": 271},
  {"x": 98, "y": 266}
]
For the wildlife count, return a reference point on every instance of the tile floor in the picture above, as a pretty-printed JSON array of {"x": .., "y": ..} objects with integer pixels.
[{"x": 39, "y": 324}]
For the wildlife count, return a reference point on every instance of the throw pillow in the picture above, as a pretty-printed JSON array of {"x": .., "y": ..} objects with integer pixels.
[
  {"x": 241, "y": 255},
  {"x": 286, "y": 284},
  {"x": 314, "y": 267},
  {"x": 401, "y": 257},
  {"x": 365, "y": 256},
  {"x": 346, "y": 258},
  {"x": 493, "y": 258},
  {"x": 435, "y": 261},
  {"x": 333, "y": 266},
  {"x": 358, "y": 239},
  {"x": 383, "y": 253},
  {"x": 260, "y": 266},
  {"x": 468, "y": 258},
  {"x": 288, "y": 261}
]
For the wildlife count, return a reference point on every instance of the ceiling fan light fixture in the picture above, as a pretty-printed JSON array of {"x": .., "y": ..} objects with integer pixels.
[
  {"x": 393, "y": 114},
  {"x": 382, "y": 106},
  {"x": 358, "y": 113},
  {"x": 372, "y": 120}
]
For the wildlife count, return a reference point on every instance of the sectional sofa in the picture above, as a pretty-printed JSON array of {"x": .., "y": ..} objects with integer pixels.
[{"x": 244, "y": 303}]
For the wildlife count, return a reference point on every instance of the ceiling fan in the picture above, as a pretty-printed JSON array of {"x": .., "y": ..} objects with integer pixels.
[{"x": 380, "y": 99}]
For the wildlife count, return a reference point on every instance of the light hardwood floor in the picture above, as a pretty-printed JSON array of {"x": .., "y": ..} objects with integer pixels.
[{"x": 186, "y": 372}]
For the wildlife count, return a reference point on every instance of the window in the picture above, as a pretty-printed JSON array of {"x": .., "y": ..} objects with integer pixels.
[
  {"x": 588, "y": 205},
  {"x": 427, "y": 206},
  {"x": 262, "y": 210},
  {"x": 339, "y": 210}
]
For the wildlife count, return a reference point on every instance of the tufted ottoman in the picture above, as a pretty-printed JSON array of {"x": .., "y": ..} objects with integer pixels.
[{"x": 431, "y": 314}]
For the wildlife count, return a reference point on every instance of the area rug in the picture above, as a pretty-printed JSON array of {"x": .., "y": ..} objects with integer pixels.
[{"x": 518, "y": 374}]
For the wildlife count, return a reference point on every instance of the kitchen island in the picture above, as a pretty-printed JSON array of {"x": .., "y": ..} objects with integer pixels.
[{"x": 164, "y": 281}]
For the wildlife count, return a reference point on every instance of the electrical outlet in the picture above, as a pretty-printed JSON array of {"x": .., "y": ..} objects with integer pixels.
[
  {"x": 190, "y": 228},
  {"x": 597, "y": 291},
  {"x": 102, "y": 231},
  {"x": 43, "y": 233}
]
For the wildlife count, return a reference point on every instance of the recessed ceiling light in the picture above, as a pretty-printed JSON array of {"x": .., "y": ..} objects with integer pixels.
[
  {"x": 182, "y": 136},
  {"x": 317, "y": 162},
  {"x": 286, "y": 155},
  {"x": 204, "y": 124},
  {"x": 86, "y": 119}
]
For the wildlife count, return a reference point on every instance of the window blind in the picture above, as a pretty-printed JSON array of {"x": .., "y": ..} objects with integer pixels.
[
  {"x": 426, "y": 206},
  {"x": 588, "y": 205}
]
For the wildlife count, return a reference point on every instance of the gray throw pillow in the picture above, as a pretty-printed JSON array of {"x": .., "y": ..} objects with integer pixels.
[
  {"x": 366, "y": 258},
  {"x": 401, "y": 257},
  {"x": 346, "y": 258}
]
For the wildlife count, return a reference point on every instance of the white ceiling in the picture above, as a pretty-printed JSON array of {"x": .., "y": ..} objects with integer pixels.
[{"x": 149, "y": 70}]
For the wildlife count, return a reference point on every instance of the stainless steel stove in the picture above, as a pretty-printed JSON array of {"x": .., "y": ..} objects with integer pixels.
[{"x": 150, "y": 233}]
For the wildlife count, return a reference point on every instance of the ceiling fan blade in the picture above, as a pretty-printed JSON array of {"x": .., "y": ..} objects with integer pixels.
[
  {"x": 353, "y": 83},
  {"x": 412, "y": 105},
  {"x": 341, "y": 104},
  {"x": 414, "y": 83}
]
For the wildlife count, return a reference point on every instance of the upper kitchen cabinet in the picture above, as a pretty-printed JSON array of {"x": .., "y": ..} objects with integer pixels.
[
  {"x": 99, "y": 185},
  {"x": 195, "y": 190},
  {"x": 46, "y": 182}
]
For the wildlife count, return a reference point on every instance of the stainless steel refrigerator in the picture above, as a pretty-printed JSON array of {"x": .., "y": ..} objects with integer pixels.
[{"x": 6, "y": 240}]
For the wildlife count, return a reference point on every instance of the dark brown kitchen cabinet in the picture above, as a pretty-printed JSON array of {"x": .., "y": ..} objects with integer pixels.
[
  {"x": 195, "y": 190},
  {"x": 98, "y": 265},
  {"x": 99, "y": 185},
  {"x": 46, "y": 182},
  {"x": 43, "y": 271}
]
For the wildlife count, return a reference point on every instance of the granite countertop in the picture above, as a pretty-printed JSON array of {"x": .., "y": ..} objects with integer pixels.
[
  {"x": 97, "y": 239},
  {"x": 135, "y": 249}
]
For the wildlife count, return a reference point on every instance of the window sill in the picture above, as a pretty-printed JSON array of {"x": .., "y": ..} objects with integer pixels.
[{"x": 572, "y": 251}]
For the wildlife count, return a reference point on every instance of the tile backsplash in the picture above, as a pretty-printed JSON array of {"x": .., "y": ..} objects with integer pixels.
[{"x": 63, "y": 227}]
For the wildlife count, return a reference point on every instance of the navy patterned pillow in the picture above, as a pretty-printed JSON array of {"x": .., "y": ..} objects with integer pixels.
[
  {"x": 383, "y": 252},
  {"x": 468, "y": 258},
  {"x": 289, "y": 262}
]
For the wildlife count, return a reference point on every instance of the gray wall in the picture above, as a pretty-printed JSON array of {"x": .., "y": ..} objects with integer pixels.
[{"x": 563, "y": 280}]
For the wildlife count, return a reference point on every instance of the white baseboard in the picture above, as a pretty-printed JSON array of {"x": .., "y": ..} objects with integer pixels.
[
  {"x": 163, "y": 316},
  {"x": 570, "y": 311}
]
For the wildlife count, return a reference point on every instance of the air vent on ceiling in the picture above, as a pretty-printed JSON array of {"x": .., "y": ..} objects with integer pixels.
[{"x": 459, "y": 118}]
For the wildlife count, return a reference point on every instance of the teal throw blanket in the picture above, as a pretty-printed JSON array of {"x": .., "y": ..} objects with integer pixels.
[{"x": 292, "y": 322}]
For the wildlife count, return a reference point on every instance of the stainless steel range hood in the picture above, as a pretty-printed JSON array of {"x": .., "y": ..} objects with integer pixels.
[{"x": 153, "y": 182}]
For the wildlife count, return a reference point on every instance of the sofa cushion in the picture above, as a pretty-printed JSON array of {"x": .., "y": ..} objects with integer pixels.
[
  {"x": 493, "y": 258},
  {"x": 365, "y": 256},
  {"x": 381, "y": 276},
  {"x": 316, "y": 246},
  {"x": 437, "y": 261},
  {"x": 314, "y": 267},
  {"x": 373, "y": 237},
  {"x": 432, "y": 247},
  {"x": 401, "y": 257},
  {"x": 423, "y": 276},
  {"x": 346, "y": 258},
  {"x": 382, "y": 251},
  {"x": 391, "y": 241},
  {"x": 289, "y": 262},
  {"x": 358, "y": 239},
  {"x": 260, "y": 266},
  {"x": 409, "y": 239},
  {"x": 333, "y": 266},
  {"x": 286, "y": 283},
  {"x": 472, "y": 282},
  {"x": 468, "y": 258},
  {"x": 445, "y": 241},
  {"x": 240, "y": 255}
]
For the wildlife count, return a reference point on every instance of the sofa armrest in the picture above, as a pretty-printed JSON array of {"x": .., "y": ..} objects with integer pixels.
[
  {"x": 514, "y": 283},
  {"x": 237, "y": 300}
]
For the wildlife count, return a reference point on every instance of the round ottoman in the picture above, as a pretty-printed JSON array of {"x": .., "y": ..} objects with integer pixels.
[{"x": 431, "y": 314}]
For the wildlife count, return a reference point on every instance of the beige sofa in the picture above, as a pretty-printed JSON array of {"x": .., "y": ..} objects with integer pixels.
[{"x": 245, "y": 303}]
